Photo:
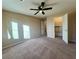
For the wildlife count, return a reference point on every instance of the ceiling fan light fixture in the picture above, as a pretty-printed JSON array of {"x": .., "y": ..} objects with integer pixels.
[{"x": 40, "y": 11}]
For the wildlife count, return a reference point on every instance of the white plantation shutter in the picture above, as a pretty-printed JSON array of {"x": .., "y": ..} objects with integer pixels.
[
  {"x": 15, "y": 30},
  {"x": 26, "y": 32}
]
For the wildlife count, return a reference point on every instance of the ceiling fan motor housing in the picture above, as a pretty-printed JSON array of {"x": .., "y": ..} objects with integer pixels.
[{"x": 41, "y": 6}]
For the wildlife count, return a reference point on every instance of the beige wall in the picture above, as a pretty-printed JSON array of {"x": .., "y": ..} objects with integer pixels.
[
  {"x": 42, "y": 27},
  {"x": 72, "y": 26},
  {"x": 33, "y": 23},
  {"x": 58, "y": 21}
]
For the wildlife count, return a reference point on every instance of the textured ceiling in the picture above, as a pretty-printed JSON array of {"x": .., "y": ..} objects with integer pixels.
[{"x": 60, "y": 7}]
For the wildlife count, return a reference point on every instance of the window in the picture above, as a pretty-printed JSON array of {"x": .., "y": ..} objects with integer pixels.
[
  {"x": 15, "y": 30},
  {"x": 26, "y": 31}
]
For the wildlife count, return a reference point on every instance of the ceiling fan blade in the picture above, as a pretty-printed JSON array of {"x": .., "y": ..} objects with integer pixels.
[
  {"x": 47, "y": 8},
  {"x": 34, "y": 9},
  {"x": 36, "y": 12},
  {"x": 43, "y": 12}
]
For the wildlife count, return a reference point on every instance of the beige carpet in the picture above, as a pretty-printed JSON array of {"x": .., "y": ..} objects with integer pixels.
[{"x": 41, "y": 48}]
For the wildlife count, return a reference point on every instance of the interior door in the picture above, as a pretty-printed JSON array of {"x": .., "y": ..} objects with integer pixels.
[{"x": 65, "y": 28}]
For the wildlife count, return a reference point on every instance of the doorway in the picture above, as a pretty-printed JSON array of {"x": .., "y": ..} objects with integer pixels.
[{"x": 58, "y": 27}]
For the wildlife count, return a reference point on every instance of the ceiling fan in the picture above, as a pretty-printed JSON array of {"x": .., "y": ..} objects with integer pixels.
[{"x": 41, "y": 8}]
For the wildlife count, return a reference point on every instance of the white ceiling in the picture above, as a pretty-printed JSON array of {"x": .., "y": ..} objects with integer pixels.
[{"x": 61, "y": 7}]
